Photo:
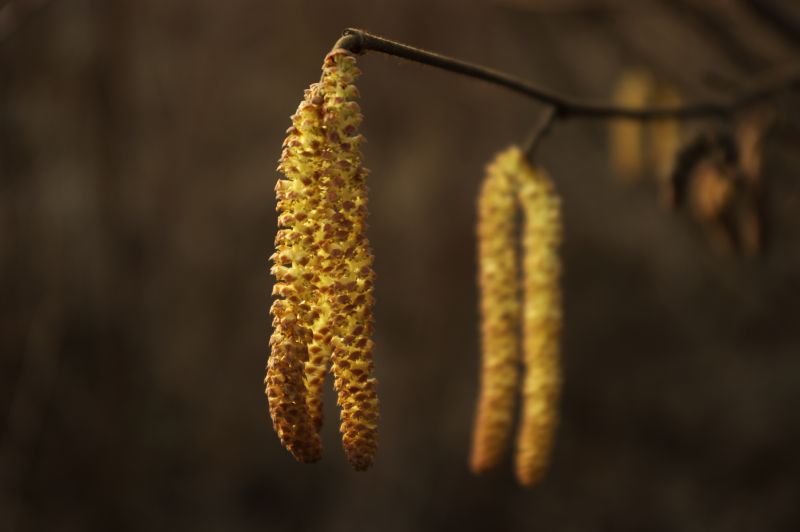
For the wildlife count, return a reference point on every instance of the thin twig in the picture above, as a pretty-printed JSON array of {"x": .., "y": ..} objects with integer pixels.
[
  {"x": 359, "y": 41},
  {"x": 541, "y": 129},
  {"x": 718, "y": 32},
  {"x": 779, "y": 19}
]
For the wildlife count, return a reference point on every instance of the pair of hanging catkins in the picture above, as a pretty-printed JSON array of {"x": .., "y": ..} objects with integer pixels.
[
  {"x": 510, "y": 184},
  {"x": 322, "y": 318}
]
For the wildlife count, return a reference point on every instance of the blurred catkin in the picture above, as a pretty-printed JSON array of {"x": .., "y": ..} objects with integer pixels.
[
  {"x": 498, "y": 278},
  {"x": 542, "y": 322},
  {"x": 664, "y": 135},
  {"x": 627, "y": 158},
  {"x": 511, "y": 182},
  {"x": 323, "y": 270}
]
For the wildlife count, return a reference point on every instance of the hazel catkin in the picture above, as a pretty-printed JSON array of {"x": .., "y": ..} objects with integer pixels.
[
  {"x": 323, "y": 271},
  {"x": 511, "y": 183},
  {"x": 542, "y": 322},
  {"x": 293, "y": 270},
  {"x": 632, "y": 90},
  {"x": 664, "y": 134},
  {"x": 498, "y": 280},
  {"x": 346, "y": 275}
]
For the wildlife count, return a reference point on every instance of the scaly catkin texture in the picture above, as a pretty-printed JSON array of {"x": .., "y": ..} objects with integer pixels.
[
  {"x": 301, "y": 164},
  {"x": 323, "y": 270},
  {"x": 541, "y": 323},
  {"x": 500, "y": 310},
  {"x": 346, "y": 276}
]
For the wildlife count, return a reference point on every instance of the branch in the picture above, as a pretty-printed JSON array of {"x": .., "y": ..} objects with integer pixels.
[
  {"x": 717, "y": 31},
  {"x": 778, "y": 18},
  {"x": 541, "y": 129},
  {"x": 359, "y": 41}
]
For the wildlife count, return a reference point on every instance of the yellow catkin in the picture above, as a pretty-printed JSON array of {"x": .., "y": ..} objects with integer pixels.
[
  {"x": 293, "y": 268},
  {"x": 345, "y": 274},
  {"x": 632, "y": 90},
  {"x": 664, "y": 136},
  {"x": 323, "y": 271},
  {"x": 498, "y": 278},
  {"x": 542, "y": 321}
]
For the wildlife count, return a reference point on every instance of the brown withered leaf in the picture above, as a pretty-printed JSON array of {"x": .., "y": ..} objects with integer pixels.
[
  {"x": 710, "y": 197},
  {"x": 718, "y": 177},
  {"x": 706, "y": 146}
]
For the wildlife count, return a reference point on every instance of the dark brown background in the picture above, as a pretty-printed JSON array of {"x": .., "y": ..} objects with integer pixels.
[{"x": 138, "y": 141}]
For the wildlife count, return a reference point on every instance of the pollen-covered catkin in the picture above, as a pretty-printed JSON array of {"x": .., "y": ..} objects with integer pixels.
[
  {"x": 542, "y": 320},
  {"x": 627, "y": 140},
  {"x": 346, "y": 276},
  {"x": 293, "y": 268},
  {"x": 498, "y": 278},
  {"x": 323, "y": 269}
]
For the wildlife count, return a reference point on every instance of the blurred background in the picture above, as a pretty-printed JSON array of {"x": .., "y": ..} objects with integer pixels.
[{"x": 138, "y": 145}]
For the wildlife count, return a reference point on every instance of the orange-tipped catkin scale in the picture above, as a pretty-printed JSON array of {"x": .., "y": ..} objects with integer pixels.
[
  {"x": 632, "y": 90},
  {"x": 346, "y": 277},
  {"x": 301, "y": 164},
  {"x": 498, "y": 279},
  {"x": 541, "y": 323}
]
